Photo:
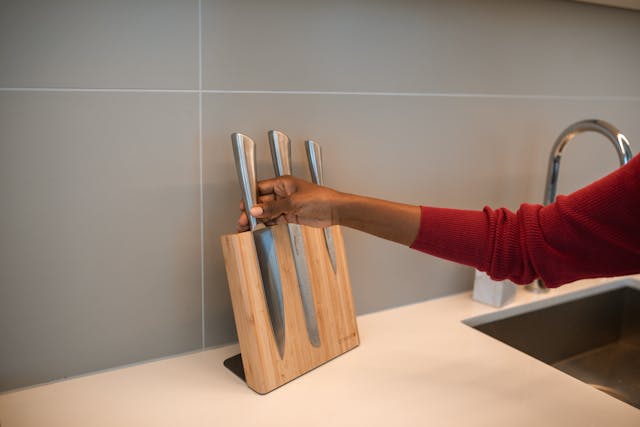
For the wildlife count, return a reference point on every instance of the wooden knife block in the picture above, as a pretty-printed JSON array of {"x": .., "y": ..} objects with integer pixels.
[{"x": 264, "y": 370}]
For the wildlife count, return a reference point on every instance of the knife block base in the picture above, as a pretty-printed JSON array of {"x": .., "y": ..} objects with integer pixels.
[
  {"x": 234, "y": 364},
  {"x": 263, "y": 367}
]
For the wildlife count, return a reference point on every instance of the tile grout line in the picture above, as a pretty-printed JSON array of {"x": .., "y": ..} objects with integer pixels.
[
  {"x": 95, "y": 90},
  {"x": 427, "y": 94},
  {"x": 201, "y": 160},
  {"x": 201, "y": 91}
]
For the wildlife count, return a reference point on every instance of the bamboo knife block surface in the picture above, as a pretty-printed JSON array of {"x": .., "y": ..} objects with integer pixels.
[{"x": 263, "y": 368}]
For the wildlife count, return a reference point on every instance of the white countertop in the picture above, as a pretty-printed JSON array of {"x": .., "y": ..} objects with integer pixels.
[{"x": 416, "y": 365}]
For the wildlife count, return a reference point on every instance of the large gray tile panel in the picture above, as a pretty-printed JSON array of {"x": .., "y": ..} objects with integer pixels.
[
  {"x": 521, "y": 47},
  {"x": 99, "y": 44},
  {"x": 452, "y": 152},
  {"x": 99, "y": 232}
]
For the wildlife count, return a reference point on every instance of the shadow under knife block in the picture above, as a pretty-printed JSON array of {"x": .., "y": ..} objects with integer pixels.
[{"x": 264, "y": 369}]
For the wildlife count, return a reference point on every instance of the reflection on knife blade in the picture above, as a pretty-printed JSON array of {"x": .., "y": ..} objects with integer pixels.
[
  {"x": 314, "y": 156},
  {"x": 281, "y": 154},
  {"x": 244, "y": 153}
]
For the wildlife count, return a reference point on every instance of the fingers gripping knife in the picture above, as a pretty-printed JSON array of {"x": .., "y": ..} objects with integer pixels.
[
  {"x": 314, "y": 155},
  {"x": 281, "y": 154},
  {"x": 244, "y": 154}
]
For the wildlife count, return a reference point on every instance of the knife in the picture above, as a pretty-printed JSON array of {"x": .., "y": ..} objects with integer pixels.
[
  {"x": 314, "y": 155},
  {"x": 244, "y": 154},
  {"x": 281, "y": 154}
]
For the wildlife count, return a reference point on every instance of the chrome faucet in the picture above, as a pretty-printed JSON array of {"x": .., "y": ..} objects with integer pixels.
[{"x": 620, "y": 143}]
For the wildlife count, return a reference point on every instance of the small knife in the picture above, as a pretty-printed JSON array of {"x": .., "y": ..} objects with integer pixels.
[
  {"x": 314, "y": 155},
  {"x": 281, "y": 154},
  {"x": 244, "y": 153}
]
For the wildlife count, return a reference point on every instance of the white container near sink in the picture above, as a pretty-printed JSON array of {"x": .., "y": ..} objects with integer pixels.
[{"x": 491, "y": 292}]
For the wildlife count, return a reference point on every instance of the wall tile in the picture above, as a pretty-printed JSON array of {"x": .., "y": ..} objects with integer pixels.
[
  {"x": 99, "y": 44},
  {"x": 99, "y": 232},
  {"x": 452, "y": 152},
  {"x": 100, "y": 226},
  {"x": 524, "y": 47}
]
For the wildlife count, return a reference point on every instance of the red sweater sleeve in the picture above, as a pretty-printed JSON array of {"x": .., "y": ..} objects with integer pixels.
[{"x": 594, "y": 232}]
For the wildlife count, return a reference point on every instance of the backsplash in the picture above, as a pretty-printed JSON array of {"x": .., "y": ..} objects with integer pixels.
[{"x": 116, "y": 170}]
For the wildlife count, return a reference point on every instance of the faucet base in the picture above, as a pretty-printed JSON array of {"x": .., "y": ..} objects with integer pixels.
[{"x": 537, "y": 287}]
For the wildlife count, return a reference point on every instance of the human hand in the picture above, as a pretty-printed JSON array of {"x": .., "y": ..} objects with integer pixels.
[{"x": 293, "y": 200}]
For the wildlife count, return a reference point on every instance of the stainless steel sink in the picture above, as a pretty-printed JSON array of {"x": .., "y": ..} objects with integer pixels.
[{"x": 592, "y": 337}]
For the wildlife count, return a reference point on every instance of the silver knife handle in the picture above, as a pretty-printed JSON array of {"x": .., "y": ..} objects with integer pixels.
[
  {"x": 244, "y": 152},
  {"x": 314, "y": 155},
  {"x": 280, "y": 152}
]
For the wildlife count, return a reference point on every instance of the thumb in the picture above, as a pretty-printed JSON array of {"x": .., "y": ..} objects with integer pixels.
[{"x": 272, "y": 209}]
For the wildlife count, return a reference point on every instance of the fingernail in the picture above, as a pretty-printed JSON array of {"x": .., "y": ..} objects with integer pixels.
[{"x": 256, "y": 211}]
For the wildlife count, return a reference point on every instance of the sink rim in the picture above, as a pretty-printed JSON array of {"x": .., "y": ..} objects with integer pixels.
[
  {"x": 589, "y": 358},
  {"x": 504, "y": 313}
]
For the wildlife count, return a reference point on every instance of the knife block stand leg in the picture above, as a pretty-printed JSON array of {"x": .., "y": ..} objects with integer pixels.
[{"x": 264, "y": 370}]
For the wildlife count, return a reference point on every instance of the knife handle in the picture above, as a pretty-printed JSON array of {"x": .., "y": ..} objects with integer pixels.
[
  {"x": 280, "y": 152},
  {"x": 244, "y": 152},
  {"x": 314, "y": 155}
]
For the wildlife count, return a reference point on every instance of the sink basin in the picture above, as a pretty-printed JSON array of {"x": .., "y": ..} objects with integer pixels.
[{"x": 593, "y": 337}]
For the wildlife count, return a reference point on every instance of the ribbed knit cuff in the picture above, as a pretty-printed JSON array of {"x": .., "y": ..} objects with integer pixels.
[{"x": 454, "y": 234}]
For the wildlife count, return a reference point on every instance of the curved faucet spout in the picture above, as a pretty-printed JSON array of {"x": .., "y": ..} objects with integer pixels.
[{"x": 619, "y": 141}]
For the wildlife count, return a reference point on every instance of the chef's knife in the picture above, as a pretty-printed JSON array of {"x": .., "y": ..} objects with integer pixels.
[
  {"x": 314, "y": 155},
  {"x": 281, "y": 154},
  {"x": 244, "y": 153}
]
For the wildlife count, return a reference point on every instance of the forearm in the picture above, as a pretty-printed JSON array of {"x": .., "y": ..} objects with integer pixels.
[
  {"x": 397, "y": 222},
  {"x": 302, "y": 202}
]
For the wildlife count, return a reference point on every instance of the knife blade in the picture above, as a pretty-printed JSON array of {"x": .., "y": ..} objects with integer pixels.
[
  {"x": 244, "y": 154},
  {"x": 281, "y": 154},
  {"x": 314, "y": 156}
]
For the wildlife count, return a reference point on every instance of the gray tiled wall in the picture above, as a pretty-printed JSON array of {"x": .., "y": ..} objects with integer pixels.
[
  {"x": 99, "y": 44},
  {"x": 116, "y": 174}
]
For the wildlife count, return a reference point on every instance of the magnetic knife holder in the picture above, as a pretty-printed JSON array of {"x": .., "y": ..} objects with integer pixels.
[{"x": 259, "y": 364}]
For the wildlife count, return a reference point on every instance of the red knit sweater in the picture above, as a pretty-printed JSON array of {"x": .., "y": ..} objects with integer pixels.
[{"x": 594, "y": 232}]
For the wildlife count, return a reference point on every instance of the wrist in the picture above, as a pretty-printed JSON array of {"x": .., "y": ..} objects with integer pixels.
[{"x": 346, "y": 209}]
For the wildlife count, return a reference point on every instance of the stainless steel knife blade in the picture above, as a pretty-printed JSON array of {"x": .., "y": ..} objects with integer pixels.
[
  {"x": 244, "y": 154},
  {"x": 281, "y": 154},
  {"x": 314, "y": 156}
]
